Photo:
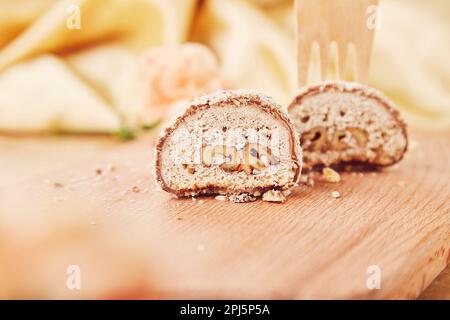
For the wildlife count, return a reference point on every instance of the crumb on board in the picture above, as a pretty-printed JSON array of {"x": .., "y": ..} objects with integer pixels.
[
  {"x": 221, "y": 198},
  {"x": 108, "y": 168},
  {"x": 135, "y": 189},
  {"x": 329, "y": 175},
  {"x": 307, "y": 179},
  {"x": 274, "y": 196},
  {"x": 335, "y": 194},
  {"x": 57, "y": 185},
  {"x": 256, "y": 193}
]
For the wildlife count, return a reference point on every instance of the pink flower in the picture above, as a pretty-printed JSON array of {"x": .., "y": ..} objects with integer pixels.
[{"x": 174, "y": 73}]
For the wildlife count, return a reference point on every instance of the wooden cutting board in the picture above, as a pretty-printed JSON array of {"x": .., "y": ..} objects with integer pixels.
[{"x": 313, "y": 246}]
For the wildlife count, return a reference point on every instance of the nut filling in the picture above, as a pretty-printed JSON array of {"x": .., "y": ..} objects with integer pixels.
[
  {"x": 317, "y": 139},
  {"x": 251, "y": 159}
]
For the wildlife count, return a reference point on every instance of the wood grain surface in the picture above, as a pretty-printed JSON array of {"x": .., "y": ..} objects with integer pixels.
[
  {"x": 92, "y": 202},
  {"x": 439, "y": 288}
]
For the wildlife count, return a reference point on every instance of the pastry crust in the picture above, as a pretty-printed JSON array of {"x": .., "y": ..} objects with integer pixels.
[
  {"x": 235, "y": 98},
  {"x": 359, "y": 93}
]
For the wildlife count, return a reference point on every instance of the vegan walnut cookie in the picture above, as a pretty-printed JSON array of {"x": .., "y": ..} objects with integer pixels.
[
  {"x": 229, "y": 142},
  {"x": 343, "y": 122}
]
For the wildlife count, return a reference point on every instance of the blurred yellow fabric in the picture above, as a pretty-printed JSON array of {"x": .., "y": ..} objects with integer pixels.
[
  {"x": 70, "y": 65},
  {"x": 56, "y": 76}
]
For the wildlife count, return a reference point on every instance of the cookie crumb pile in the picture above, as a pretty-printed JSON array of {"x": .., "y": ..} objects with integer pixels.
[{"x": 274, "y": 196}]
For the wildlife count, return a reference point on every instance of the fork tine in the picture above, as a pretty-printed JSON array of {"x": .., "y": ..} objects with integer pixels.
[
  {"x": 309, "y": 30},
  {"x": 333, "y": 70},
  {"x": 314, "y": 68},
  {"x": 303, "y": 58}
]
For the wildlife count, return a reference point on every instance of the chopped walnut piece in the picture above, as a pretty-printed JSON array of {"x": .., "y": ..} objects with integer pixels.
[
  {"x": 330, "y": 175},
  {"x": 221, "y": 198},
  {"x": 315, "y": 139},
  {"x": 307, "y": 179},
  {"x": 255, "y": 157},
  {"x": 360, "y": 135},
  {"x": 337, "y": 143},
  {"x": 191, "y": 169},
  {"x": 274, "y": 196}
]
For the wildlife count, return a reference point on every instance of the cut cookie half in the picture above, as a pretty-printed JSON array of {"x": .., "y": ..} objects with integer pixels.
[
  {"x": 229, "y": 142},
  {"x": 342, "y": 122}
]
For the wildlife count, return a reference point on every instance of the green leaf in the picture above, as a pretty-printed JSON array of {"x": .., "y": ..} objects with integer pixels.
[
  {"x": 125, "y": 134},
  {"x": 151, "y": 125}
]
